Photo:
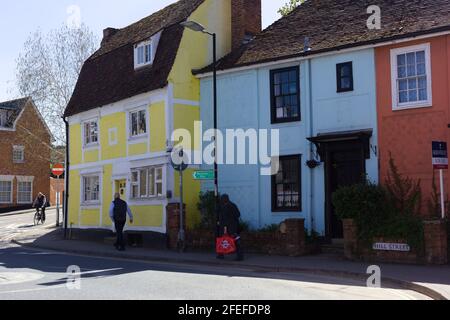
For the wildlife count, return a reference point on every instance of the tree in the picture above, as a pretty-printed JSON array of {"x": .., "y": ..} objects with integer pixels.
[
  {"x": 289, "y": 7},
  {"x": 48, "y": 68}
]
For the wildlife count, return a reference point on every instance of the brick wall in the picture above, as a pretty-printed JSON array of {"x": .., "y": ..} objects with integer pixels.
[
  {"x": 292, "y": 242},
  {"x": 435, "y": 246},
  {"x": 436, "y": 242},
  {"x": 246, "y": 19},
  {"x": 407, "y": 134},
  {"x": 173, "y": 224},
  {"x": 31, "y": 133}
]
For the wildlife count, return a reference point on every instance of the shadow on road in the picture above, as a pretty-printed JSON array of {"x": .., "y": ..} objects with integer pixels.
[{"x": 27, "y": 226}]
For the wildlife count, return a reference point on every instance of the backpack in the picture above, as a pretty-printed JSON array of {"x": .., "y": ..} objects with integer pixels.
[{"x": 120, "y": 210}]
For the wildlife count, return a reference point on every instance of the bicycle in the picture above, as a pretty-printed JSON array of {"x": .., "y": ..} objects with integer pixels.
[{"x": 39, "y": 217}]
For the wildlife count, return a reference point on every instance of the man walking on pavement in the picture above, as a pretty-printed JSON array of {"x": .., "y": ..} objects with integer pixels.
[
  {"x": 229, "y": 216},
  {"x": 118, "y": 214}
]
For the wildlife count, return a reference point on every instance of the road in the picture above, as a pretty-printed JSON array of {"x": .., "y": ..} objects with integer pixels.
[
  {"x": 12, "y": 225},
  {"x": 35, "y": 274}
]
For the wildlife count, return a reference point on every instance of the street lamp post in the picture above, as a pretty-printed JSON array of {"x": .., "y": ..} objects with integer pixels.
[{"x": 197, "y": 27}]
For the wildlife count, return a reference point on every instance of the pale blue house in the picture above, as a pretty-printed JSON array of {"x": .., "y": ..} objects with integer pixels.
[{"x": 319, "y": 90}]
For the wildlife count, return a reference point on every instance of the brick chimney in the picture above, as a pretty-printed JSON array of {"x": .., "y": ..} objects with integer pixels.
[
  {"x": 246, "y": 21},
  {"x": 108, "y": 33}
]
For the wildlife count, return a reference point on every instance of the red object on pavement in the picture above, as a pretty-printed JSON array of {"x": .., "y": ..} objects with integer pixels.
[
  {"x": 58, "y": 170},
  {"x": 225, "y": 245}
]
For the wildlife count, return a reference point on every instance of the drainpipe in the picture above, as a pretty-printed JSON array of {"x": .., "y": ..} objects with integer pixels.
[
  {"x": 311, "y": 145},
  {"x": 67, "y": 175}
]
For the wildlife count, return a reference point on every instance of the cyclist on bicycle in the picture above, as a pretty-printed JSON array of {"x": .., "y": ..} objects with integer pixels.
[{"x": 40, "y": 203}]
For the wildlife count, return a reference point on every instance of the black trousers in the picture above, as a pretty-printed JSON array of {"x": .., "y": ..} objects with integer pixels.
[
  {"x": 239, "y": 251},
  {"x": 42, "y": 212},
  {"x": 120, "y": 225}
]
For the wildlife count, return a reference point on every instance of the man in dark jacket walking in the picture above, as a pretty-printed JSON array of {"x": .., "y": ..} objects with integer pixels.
[
  {"x": 118, "y": 214},
  {"x": 229, "y": 216}
]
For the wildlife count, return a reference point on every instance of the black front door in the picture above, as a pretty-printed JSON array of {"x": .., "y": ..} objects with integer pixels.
[{"x": 345, "y": 167}]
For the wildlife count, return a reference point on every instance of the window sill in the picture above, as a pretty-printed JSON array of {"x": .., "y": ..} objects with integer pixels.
[
  {"x": 286, "y": 123},
  {"x": 90, "y": 205},
  {"x": 286, "y": 211},
  {"x": 19, "y": 162},
  {"x": 275, "y": 122},
  {"x": 412, "y": 106},
  {"x": 142, "y": 66},
  {"x": 143, "y": 200},
  {"x": 90, "y": 147},
  {"x": 345, "y": 90},
  {"x": 138, "y": 139}
]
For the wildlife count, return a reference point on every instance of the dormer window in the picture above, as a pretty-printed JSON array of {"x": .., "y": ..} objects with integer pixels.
[
  {"x": 143, "y": 54},
  {"x": 145, "y": 51}
]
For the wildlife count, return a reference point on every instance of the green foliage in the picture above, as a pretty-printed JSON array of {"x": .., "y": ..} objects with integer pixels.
[
  {"x": 389, "y": 211},
  {"x": 403, "y": 192},
  {"x": 313, "y": 237},
  {"x": 270, "y": 228},
  {"x": 244, "y": 226},
  {"x": 207, "y": 208},
  {"x": 434, "y": 203},
  {"x": 360, "y": 199},
  {"x": 289, "y": 7}
]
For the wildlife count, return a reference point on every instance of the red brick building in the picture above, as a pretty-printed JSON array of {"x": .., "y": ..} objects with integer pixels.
[
  {"x": 25, "y": 144},
  {"x": 413, "y": 106}
]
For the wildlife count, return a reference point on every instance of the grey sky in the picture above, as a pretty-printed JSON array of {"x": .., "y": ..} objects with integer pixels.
[{"x": 19, "y": 18}]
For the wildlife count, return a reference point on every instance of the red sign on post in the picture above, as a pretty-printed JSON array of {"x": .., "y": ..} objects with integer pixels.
[{"x": 58, "y": 170}]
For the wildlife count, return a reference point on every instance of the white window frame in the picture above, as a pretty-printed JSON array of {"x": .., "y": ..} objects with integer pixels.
[
  {"x": 18, "y": 149},
  {"x": 10, "y": 180},
  {"x": 144, "y": 45},
  {"x": 396, "y": 105},
  {"x": 130, "y": 123},
  {"x": 83, "y": 190},
  {"x": 90, "y": 144},
  {"x": 155, "y": 183},
  {"x": 25, "y": 180}
]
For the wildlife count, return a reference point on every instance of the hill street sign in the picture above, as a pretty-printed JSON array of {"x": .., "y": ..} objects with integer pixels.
[
  {"x": 204, "y": 175},
  {"x": 402, "y": 247}
]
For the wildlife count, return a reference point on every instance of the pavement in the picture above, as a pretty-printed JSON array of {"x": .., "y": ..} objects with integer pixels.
[
  {"x": 431, "y": 281},
  {"x": 15, "y": 213}
]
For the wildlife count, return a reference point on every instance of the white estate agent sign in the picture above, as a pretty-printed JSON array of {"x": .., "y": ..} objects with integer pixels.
[
  {"x": 391, "y": 247},
  {"x": 440, "y": 162},
  {"x": 440, "y": 155}
]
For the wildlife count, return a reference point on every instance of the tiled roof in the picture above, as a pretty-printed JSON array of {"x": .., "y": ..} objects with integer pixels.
[
  {"x": 14, "y": 108},
  {"x": 108, "y": 75},
  {"x": 17, "y": 104},
  {"x": 338, "y": 24}
]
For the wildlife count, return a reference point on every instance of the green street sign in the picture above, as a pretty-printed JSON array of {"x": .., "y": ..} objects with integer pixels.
[{"x": 204, "y": 175}]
